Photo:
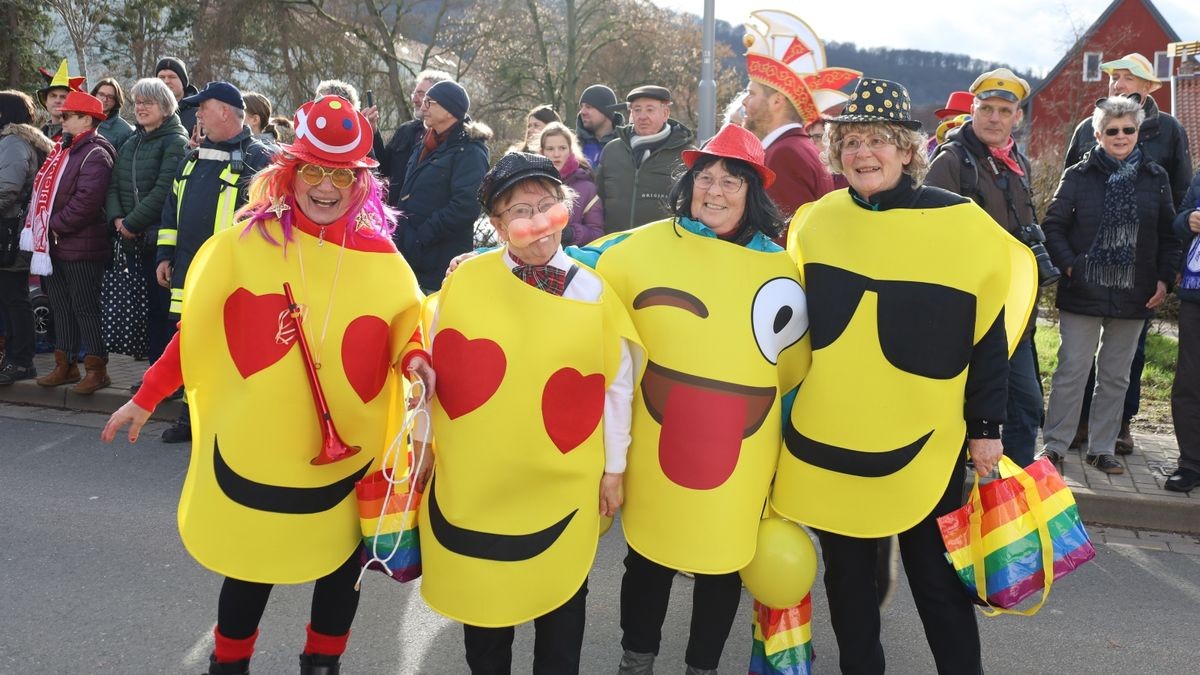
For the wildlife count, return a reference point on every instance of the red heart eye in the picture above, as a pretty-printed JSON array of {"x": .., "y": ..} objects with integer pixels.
[
  {"x": 572, "y": 405},
  {"x": 468, "y": 371},
  {"x": 365, "y": 356},
  {"x": 252, "y": 324}
]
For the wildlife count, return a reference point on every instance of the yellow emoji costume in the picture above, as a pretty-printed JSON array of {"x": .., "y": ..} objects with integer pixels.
[
  {"x": 725, "y": 329},
  {"x": 254, "y": 507},
  {"x": 878, "y": 424},
  {"x": 510, "y": 523}
]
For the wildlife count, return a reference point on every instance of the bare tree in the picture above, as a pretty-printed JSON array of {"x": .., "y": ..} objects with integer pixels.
[{"x": 82, "y": 18}]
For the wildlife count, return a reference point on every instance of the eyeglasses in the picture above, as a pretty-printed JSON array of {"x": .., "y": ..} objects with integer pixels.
[
  {"x": 729, "y": 184},
  {"x": 1113, "y": 131},
  {"x": 341, "y": 178},
  {"x": 851, "y": 146},
  {"x": 143, "y": 103},
  {"x": 428, "y": 102},
  {"x": 526, "y": 211},
  {"x": 107, "y": 97}
]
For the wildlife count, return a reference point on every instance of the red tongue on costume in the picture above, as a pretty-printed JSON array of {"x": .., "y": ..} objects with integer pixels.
[{"x": 701, "y": 436}]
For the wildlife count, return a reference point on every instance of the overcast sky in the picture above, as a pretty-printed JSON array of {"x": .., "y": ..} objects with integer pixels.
[{"x": 1030, "y": 34}]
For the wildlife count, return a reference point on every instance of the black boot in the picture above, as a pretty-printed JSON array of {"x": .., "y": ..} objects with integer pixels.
[
  {"x": 234, "y": 668},
  {"x": 319, "y": 664}
]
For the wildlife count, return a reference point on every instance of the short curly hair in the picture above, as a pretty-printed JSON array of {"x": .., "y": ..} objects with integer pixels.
[{"x": 903, "y": 137}]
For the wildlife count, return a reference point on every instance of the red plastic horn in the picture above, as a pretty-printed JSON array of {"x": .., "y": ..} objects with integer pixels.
[{"x": 333, "y": 448}]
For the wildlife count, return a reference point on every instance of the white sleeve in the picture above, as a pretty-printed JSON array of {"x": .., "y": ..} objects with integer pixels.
[{"x": 618, "y": 412}]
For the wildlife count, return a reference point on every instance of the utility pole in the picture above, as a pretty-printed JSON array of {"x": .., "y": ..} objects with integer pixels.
[{"x": 708, "y": 86}]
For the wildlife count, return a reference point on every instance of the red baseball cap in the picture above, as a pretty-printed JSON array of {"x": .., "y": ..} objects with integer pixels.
[
  {"x": 958, "y": 104},
  {"x": 734, "y": 142},
  {"x": 84, "y": 104},
  {"x": 332, "y": 133}
]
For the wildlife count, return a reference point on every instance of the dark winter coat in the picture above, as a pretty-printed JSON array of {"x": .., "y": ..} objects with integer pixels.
[
  {"x": 145, "y": 167},
  {"x": 1073, "y": 220},
  {"x": 635, "y": 194},
  {"x": 1187, "y": 238},
  {"x": 393, "y": 157},
  {"x": 78, "y": 227},
  {"x": 23, "y": 148},
  {"x": 187, "y": 113},
  {"x": 116, "y": 130},
  {"x": 438, "y": 203},
  {"x": 1160, "y": 137}
]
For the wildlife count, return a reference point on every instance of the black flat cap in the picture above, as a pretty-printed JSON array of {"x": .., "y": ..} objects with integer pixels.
[{"x": 513, "y": 168}]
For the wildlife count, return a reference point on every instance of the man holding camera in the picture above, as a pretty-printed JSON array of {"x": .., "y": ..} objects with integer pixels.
[{"x": 981, "y": 161}]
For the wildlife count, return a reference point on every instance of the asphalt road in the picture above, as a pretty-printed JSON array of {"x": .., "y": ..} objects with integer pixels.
[{"x": 93, "y": 579}]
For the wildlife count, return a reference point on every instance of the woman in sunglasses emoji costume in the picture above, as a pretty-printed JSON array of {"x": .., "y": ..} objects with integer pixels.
[
  {"x": 292, "y": 329},
  {"x": 916, "y": 297}
]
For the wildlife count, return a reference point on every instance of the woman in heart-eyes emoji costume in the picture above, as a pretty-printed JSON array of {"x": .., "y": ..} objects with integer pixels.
[
  {"x": 721, "y": 311},
  {"x": 291, "y": 329},
  {"x": 916, "y": 298},
  {"x": 536, "y": 362}
]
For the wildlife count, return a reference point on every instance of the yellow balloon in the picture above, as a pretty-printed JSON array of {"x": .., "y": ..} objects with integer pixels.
[{"x": 784, "y": 567}]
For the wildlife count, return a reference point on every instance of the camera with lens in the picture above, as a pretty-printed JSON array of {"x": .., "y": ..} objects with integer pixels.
[{"x": 1032, "y": 236}]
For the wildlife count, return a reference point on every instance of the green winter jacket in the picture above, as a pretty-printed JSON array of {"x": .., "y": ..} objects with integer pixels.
[
  {"x": 143, "y": 175},
  {"x": 635, "y": 194}
]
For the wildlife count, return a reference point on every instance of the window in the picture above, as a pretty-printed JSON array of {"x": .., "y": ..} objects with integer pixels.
[
  {"x": 1162, "y": 66},
  {"x": 1091, "y": 66}
]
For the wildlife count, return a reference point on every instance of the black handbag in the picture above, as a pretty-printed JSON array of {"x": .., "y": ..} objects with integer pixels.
[{"x": 124, "y": 299}]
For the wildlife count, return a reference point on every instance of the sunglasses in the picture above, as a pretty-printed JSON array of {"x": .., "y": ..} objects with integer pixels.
[
  {"x": 341, "y": 178},
  {"x": 924, "y": 329},
  {"x": 1113, "y": 131}
]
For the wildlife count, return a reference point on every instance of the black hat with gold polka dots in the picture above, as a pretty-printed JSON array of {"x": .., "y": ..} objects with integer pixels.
[{"x": 879, "y": 101}]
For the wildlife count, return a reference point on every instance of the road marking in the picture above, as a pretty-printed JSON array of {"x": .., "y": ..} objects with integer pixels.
[{"x": 198, "y": 654}]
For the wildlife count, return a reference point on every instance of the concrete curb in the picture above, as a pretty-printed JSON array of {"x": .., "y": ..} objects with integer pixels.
[
  {"x": 1138, "y": 512},
  {"x": 107, "y": 400}
]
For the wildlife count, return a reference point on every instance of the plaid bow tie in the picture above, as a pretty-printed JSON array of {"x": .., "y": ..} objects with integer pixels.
[{"x": 544, "y": 277}]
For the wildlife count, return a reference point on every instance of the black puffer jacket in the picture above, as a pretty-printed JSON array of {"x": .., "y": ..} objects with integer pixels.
[
  {"x": 1073, "y": 220},
  {"x": 146, "y": 165}
]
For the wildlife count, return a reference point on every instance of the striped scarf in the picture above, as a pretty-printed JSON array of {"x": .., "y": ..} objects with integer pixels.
[{"x": 1110, "y": 261}]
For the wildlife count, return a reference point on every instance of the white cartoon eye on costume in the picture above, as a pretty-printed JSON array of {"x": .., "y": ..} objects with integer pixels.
[
  {"x": 779, "y": 315},
  {"x": 302, "y": 131}
]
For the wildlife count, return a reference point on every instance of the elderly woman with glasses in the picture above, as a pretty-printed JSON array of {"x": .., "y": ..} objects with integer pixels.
[
  {"x": 913, "y": 300},
  {"x": 290, "y": 344},
  {"x": 1108, "y": 229}
]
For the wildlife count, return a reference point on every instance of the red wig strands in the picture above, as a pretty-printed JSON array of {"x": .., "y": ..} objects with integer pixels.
[{"x": 276, "y": 180}]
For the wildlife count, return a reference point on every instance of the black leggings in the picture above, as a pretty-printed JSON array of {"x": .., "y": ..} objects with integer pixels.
[
  {"x": 334, "y": 603},
  {"x": 645, "y": 592}
]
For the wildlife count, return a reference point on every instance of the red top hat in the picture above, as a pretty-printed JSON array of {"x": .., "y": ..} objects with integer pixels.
[
  {"x": 734, "y": 142},
  {"x": 84, "y": 104},
  {"x": 959, "y": 103},
  {"x": 330, "y": 132}
]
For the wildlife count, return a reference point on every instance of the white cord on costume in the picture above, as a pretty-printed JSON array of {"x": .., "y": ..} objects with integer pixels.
[{"x": 391, "y": 459}]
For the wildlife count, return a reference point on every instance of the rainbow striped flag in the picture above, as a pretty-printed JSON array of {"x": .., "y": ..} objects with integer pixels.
[
  {"x": 1011, "y": 537},
  {"x": 782, "y": 640},
  {"x": 388, "y": 527}
]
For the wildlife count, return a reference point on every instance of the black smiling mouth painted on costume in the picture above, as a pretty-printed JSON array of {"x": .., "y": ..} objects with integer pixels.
[
  {"x": 280, "y": 498},
  {"x": 488, "y": 546},
  {"x": 846, "y": 460}
]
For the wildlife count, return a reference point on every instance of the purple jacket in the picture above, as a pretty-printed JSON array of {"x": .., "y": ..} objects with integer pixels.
[
  {"x": 78, "y": 228},
  {"x": 587, "y": 217}
]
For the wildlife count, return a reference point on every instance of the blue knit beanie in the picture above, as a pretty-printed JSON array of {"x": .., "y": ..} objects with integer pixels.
[{"x": 451, "y": 96}]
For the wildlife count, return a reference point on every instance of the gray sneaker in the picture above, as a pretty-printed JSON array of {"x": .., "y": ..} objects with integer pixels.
[
  {"x": 636, "y": 663},
  {"x": 11, "y": 372}
]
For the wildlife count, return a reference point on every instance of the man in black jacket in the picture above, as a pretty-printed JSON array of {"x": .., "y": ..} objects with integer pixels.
[
  {"x": 174, "y": 74},
  {"x": 393, "y": 157}
]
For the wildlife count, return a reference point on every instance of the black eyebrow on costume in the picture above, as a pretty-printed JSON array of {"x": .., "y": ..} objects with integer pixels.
[{"x": 670, "y": 297}]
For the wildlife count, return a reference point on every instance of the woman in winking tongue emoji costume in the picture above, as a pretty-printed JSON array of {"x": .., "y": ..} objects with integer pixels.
[{"x": 290, "y": 348}]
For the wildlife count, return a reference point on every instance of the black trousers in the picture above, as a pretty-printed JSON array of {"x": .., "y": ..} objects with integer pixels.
[
  {"x": 945, "y": 608},
  {"x": 74, "y": 291},
  {"x": 557, "y": 642},
  {"x": 14, "y": 298},
  {"x": 334, "y": 603},
  {"x": 159, "y": 327},
  {"x": 1185, "y": 394},
  {"x": 645, "y": 592}
]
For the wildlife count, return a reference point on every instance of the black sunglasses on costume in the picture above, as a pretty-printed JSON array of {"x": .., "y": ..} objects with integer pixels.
[{"x": 1113, "y": 131}]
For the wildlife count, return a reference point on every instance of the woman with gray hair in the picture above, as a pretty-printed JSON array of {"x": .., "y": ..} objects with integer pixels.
[
  {"x": 1108, "y": 229},
  {"x": 142, "y": 177}
]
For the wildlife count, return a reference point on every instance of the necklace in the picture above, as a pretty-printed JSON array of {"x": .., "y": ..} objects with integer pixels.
[{"x": 337, "y": 270}]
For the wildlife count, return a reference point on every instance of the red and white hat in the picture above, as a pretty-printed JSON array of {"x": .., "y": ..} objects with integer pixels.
[{"x": 331, "y": 133}]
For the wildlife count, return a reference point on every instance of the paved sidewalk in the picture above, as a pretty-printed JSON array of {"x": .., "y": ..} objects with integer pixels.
[
  {"x": 1135, "y": 500},
  {"x": 123, "y": 370}
]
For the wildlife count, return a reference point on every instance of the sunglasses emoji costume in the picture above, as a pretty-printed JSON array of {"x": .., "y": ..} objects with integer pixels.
[
  {"x": 725, "y": 329},
  {"x": 898, "y": 299},
  {"x": 510, "y": 523},
  {"x": 262, "y": 502}
]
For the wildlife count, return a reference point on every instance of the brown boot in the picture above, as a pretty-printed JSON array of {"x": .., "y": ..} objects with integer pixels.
[
  {"x": 64, "y": 372},
  {"x": 96, "y": 378}
]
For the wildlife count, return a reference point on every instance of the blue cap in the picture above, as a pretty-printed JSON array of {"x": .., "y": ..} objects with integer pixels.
[{"x": 221, "y": 91}]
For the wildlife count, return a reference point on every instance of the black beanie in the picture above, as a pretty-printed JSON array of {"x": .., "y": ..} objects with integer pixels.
[
  {"x": 173, "y": 64},
  {"x": 451, "y": 96},
  {"x": 601, "y": 98}
]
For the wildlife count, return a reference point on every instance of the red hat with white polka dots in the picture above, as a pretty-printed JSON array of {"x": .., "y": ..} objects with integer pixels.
[{"x": 330, "y": 132}]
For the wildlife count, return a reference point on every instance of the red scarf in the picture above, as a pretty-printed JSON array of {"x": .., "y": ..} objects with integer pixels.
[
  {"x": 569, "y": 167},
  {"x": 36, "y": 235},
  {"x": 431, "y": 141},
  {"x": 1008, "y": 157}
]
